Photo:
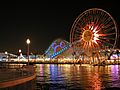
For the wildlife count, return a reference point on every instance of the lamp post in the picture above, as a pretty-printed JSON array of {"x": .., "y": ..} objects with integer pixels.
[
  {"x": 6, "y": 53},
  {"x": 19, "y": 57},
  {"x": 28, "y": 42},
  {"x": 7, "y": 57}
]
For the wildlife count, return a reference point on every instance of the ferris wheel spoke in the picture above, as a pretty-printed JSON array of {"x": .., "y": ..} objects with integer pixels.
[
  {"x": 78, "y": 26},
  {"x": 96, "y": 20},
  {"x": 107, "y": 20},
  {"x": 99, "y": 19},
  {"x": 108, "y": 43},
  {"x": 77, "y": 36},
  {"x": 77, "y": 41},
  {"x": 82, "y": 22},
  {"x": 109, "y": 29},
  {"x": 109, "y": 25},
  {"x": 110, "y": 34},
  {"x": 78, "y": 29},
  {"x": 77, "y": 33},
  {"x": 106, "y": 35},
  {"x": 102, "y": 22},
  {"x": 107, "y": 40},
  {"x": 91, "y": 18},
  {"x": 104, "y": 17}
]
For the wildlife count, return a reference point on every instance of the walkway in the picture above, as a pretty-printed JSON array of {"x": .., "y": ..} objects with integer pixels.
[{"x": 10, "y": 76}]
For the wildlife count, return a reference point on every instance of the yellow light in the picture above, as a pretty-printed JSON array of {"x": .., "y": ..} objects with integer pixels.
[
  {"x": 91, "y": 35},
  {"x": 87, "y": 35},
  {"x": 28, "y": 41},
  {"x": 19, "y": 50},
  {"x": 6, "y": 52}
]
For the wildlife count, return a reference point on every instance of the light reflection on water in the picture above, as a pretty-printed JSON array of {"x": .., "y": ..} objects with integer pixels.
[{"x": 76, "y": 77}]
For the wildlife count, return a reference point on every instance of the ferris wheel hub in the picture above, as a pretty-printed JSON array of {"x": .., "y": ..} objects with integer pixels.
[{"x": 87, "y": 35}]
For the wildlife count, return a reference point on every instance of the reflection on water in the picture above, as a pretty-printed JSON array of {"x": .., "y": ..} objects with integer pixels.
[{"x": 77, "y": 77}]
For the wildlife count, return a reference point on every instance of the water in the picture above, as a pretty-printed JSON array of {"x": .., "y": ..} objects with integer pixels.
[{"x": 77, "y": 77}]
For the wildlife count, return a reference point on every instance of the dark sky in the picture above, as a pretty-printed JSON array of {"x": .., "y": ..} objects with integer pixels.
[{"x": 43, "y": 21}]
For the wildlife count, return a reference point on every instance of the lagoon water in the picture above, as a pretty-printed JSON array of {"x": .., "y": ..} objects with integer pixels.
[{"x": 77, "y": 77}]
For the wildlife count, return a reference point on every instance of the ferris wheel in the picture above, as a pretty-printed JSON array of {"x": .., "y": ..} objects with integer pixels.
[{"x": 94, "y": 29}]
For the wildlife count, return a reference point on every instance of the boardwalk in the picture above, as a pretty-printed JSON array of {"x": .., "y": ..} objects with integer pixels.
[{"x": 9, "y": 77}]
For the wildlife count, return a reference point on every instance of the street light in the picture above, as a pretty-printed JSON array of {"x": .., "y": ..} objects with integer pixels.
[
  {"x": 19, "y": 57},
  {"x": 7, "y": 58},
  {"x": 6, "y": 53},
  {"x": 28, "y": 42}
]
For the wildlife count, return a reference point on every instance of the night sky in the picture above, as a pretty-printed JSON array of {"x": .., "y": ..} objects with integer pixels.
[{"x": 43, "y": 21}]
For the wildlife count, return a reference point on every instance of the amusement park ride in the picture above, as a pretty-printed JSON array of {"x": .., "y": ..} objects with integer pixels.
[{"x": 93, "y": 34}]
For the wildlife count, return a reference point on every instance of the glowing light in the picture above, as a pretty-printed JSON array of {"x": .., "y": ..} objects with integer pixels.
[
  {"x": 95, "y": 29},
  {"x": 19, "y": 50},
  {"x": 28, "y": 41},
  {"x": 96, "y": 35},
  {"x": 92, "y": 28},
  {"x": 90, "y": 35},
  {"x": 87, "y": 35},
  {"x": 6, "y": 52}
]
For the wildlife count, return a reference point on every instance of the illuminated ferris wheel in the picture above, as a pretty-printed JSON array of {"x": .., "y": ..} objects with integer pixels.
[{"x": 94, "y": 29}]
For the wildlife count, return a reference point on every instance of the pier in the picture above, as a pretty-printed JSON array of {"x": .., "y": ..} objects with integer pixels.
[{"x": 16, "y": 76}]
